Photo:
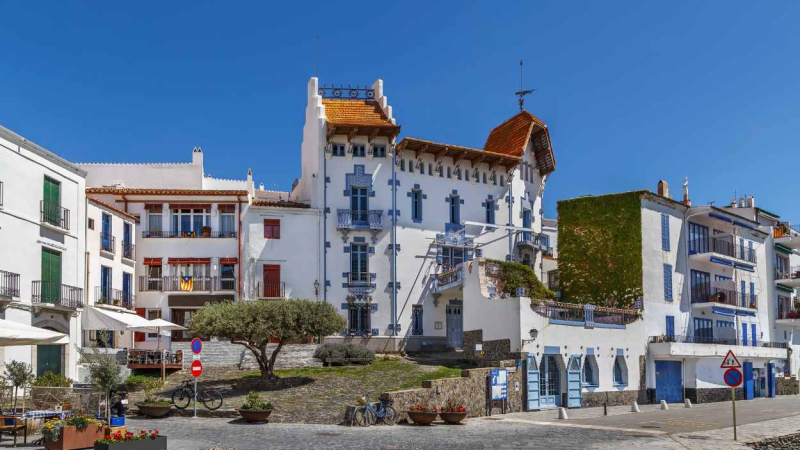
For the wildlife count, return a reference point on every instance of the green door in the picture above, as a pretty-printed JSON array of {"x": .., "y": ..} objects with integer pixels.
[
  {"x": 51, "y": 276},
  {"x": 51, "y": 208},
  {"x": 48, "y": 359}
]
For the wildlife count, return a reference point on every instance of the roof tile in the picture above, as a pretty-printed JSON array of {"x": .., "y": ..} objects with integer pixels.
[
  {"x": 366, "y": 113},
  {"x": 141, "y": 191}
]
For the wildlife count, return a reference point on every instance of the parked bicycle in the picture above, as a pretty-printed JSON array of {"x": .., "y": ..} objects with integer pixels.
[
  {"x": 183, "y": 396},
  {"x": 367, "y": 415}
]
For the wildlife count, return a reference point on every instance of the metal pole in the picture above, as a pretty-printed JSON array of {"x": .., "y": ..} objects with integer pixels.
[
  {"x": 510, "y": 214},
  {"x": 325, "y": 228},
  {"x": 195, "y": 397},
  {"x": 394, "y": 241},
  {"x": 733, "y": 397}
]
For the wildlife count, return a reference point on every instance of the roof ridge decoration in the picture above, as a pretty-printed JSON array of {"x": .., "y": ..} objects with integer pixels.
[
  {"x": 281, "y": 204},
  {"x": 512, "y": 136}
]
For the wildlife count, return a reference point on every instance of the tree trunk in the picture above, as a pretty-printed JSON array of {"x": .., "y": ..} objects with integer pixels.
[{"x": 273, "y": 357}]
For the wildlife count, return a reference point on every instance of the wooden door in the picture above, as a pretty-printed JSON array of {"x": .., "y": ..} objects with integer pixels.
[
  {"x": 51, "y": 276},
  {"x": 272, "y": 281}
]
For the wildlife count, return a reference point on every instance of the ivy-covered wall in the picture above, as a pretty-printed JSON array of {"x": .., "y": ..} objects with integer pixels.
[
  {"x": 600, "y": 249},
  {"x": 513, "y": 275}
]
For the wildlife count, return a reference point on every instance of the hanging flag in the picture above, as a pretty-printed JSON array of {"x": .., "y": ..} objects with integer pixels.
[{"x": 187, "y": 283}]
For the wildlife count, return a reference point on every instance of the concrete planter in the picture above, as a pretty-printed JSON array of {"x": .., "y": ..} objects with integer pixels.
[
  {"x": 159, "y": 443},
  {"x": 153, "y": 410},
  {"x": 255, "y": 415},
  {"x": 75, "y": 438},
  {"x": 453, "y": 418},
  {"x": 422, "y": 418}
]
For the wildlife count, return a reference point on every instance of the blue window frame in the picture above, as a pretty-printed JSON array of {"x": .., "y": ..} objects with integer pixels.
[
  {"x": 359, "y": 263},
  {"x": 668, "y": 282},
  {"x": 106, "y": 230},
  {"x": 359, "y": 203},
  {"x": 744, "y": 334},
  {"x": 127, "y": 287},
  {"x": 337, "y": 149},
  {"x": 620, "y": 371},
  {"x": 671, "y": 327},
  {"x": 526, "y": 223},
  {"x": 105, "y": 285},
  {"x": 402, "y": 165},
  {"x": 590, "y": 371},
  {"x": 455, "y": 209},
  {"x": 379, "y": 151},
  {"x": 359, "y": 151},
  {"x": 751, "y": 253},
  {"x": 416, "y": 205},
  {"x": 665, "y": 232},
  {"x": 416, "y": 319},
  {"x": 358, "y": 319},
  {"x": 741, "y": 248},
  {"x": 753, "y": 293},
  {"x": 490, "y": 211},
  {"x": 698, "y": 238},
  {"x": 700, "y": 286},
  {"x": 703, "y": 330},
  {"x": 753, "y": 334},
  {"x": 744, "y": 293}
]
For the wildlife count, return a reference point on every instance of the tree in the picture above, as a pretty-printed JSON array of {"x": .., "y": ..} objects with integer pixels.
[
  {"x": 254, "y": 323},
  {"x": 105, "y": 372},
  {"x": 18, "y": 374}
]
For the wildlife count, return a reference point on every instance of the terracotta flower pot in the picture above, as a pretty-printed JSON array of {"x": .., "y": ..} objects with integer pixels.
[
  {"x": 153, "y": 410},
  {"x": 453, "y": 418},
  {"x": 255, "y": 415},
  {"x": 422, "y": 418},
  {"x": 74, "y": 438}
]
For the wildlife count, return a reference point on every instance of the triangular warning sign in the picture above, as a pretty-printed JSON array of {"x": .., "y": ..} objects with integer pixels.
[{"x": 730, "y": 361}]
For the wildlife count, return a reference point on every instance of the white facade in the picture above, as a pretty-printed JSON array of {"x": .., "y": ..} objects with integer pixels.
[{"x": 42, "y": 211}]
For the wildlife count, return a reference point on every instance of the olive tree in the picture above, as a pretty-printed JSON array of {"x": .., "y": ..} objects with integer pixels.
[
  {"x": 253, "y": 324},
  {"x": 19, "y": 375},
  {"x": 105, "y": 372}
]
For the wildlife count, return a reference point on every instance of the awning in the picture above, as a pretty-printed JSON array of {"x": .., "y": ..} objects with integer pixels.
[
  {"x": 152, "y": 261},
  {"x": 105, "y": 319},
  {"x": 13, "y": 333},
  {"x": 189, "y": 260},
  {"x": 205, "y": 206},
  {"x": 163, "y": 326},
  {"x": 228, "y": 260},
  {"x": 230, "y": 209}
]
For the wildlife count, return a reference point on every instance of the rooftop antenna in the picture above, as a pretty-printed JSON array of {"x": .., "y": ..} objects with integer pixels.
[
  {"x": 522, "y": 93},
  {"x": 316, "y": 44}
]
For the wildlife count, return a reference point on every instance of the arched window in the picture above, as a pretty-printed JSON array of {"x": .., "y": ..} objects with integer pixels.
[
  {"x": 590, "y": 371},
  {"x": 620, "y": 371}
]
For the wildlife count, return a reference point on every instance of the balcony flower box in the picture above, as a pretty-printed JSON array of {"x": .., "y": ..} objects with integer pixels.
[
  {"x": 72, "y": 437},
  {"x": 144, "y": 440}
]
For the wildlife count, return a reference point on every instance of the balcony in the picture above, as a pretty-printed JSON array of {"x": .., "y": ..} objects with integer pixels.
[
  {"x": 449, "y": 279},
  {"x": 706, "y": 295},
  {"x": 51, "y": 294},
  {"x": 584, "y": 315},
  {"x": 789, "y": 278},
  {"x": 53, "y": 216},
  {"x": 360, "y": 283},
  {"x": 270, "y": 290},
  {"x": 533, "y": 241},
  {"x": 787, "y": 235},
  {"x": 700, "y": 249},
  {"x": 787, "y": 315},
  {"x": 9, "y": 285},
  {"x": 151, "y": 284},
  {"x": 713, "y": 347},
  {"x": 108, "y": 243},
  {"x": 359, "y": 220},
  {"x": 225, "y": 284},
  {"x": 115, "y": 297},
  {"x": 188, "y": 284},
  {"x": 129, "y": 251},
  {"x": 189, "y": 234}
]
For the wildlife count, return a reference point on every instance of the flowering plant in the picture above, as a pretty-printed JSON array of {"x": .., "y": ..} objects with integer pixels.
[
  {"x": 118, "y": 437},
  {"x": 52, "y": 428},
  {"x": 454, "y": 406},
  {"x": 423, "y": 409}
]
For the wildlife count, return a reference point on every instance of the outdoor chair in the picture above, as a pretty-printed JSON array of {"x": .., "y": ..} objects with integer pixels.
[{"x": 12, "y": 425}]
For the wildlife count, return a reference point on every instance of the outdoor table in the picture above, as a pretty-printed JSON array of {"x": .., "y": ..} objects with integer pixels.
[{"x": 45, "y": 414}]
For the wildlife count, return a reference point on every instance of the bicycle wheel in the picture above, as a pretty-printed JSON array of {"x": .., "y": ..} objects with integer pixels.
[
  {"x": 389, "y": 416},
  {"x": 362, "y": 417},
  {"x": 181, "y": 398},
  {"x": 212, "y": 399}
]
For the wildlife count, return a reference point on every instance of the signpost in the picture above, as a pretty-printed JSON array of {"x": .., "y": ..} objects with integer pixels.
[
  {"x": 733, "y": 378},
  {"x": 197, "y": 368}
]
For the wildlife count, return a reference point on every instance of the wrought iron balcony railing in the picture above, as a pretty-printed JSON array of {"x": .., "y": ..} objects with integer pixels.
[
  {"x": 722, "y": 246},
  {"x": 107, "y": 296},
  {"x": 128, "y": 250},
  {"x": 9, "y": 284},
  {"x": 151, "y": 284},
  {"x": 56, "y": 294},
  {"x": 349, "y": 219},
  {"x": 785, "y": 230},
  {"x": 225, "y": 284},
  {"x": 449, "y": 278},
  {"x": 705, "y": 293},
  {"x": 270, "y": 290},
  {"x": 701, "y": 339},
  {"x": 188, "y": 284},
  {"x": 792, "y": 273},
  {"x": 53, "y": 214},
  {"x": 188, "y": 234},
  {"x": 108, "y": 243}
]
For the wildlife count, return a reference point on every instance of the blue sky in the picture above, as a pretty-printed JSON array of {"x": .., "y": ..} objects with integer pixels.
[{"x": 632, "y": 91}]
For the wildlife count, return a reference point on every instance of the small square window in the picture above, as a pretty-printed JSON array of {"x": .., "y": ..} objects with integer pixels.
[
  {"x": 91, "y": 224},
  {"x": 380, "y": 151},
  {"x": 272, "y": 229}
]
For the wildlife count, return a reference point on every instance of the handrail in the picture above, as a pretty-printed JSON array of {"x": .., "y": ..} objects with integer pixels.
[
  {"x": 54, "y": 214},
  {"x": 359, "y": 220},
  {"x": 188, "y": 234},
  {"x": 694, "y": 339},
  {"x": 54, "y": 293},
  {"x": 9, "y": 284}
]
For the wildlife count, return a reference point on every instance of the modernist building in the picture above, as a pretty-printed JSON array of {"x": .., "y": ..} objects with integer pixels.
[{"x": 42, "y": 249}]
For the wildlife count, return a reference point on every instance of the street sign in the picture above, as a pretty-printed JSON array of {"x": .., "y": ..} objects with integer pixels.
[
  {"x": 197, "y": 346},
  {"x": 732, "y": 377},
  {"x": 499, "y": 384},
  {"x": 730, "y": 361},
  {"x": 197, "y": 368}
]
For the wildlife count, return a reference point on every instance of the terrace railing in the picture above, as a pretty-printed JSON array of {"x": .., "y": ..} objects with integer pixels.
[
  {"x": 57, "y": 294},
  {"x": 9, "y": 284},
  {"x": 348, "y": 219},
  {"x": 128, "y": 250},
  {"x": 53, "y": 214},
  {"x": 188, "y": 234},
  {"x": 702, "y": 339},
  {"x": 108, "y": 243},
  {"x": 704, "y": 293},
  {"x": 107, "y": 296}
]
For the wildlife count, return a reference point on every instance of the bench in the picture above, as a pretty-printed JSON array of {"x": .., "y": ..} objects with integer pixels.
[{"x": 13, "y": 424}]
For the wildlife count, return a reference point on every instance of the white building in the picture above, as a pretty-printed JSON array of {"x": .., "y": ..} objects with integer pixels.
[
  {"x": 447, "y": 203},
  {"x": 42, "y": 249}
]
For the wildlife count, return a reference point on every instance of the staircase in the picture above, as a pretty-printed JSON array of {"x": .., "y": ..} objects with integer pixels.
[{"x": 226, "y": 354}]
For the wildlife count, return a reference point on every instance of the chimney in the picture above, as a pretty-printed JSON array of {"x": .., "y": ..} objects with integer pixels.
[
  {"x": 741, "y": 202},
  {"x": 663, "y": 188},
  {"x": 250, "y": 184},
  {"x": 197, "y": 156},
  {"x": 261, "y": 186},
  {"x": 686, "y": 200},
  {"x": 751, "y": 202}
]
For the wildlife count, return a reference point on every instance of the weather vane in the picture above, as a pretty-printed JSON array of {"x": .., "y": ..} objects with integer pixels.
[{"x": 522, "y": 93}]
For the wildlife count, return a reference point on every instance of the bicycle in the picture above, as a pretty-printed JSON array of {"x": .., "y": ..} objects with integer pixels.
[
  {"x": 184, "y": 395},
  {"x": 367, "y": 415}
]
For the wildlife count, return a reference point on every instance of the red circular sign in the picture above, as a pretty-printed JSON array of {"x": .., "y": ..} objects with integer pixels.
[
  {"x": 197, "y": 346},
  {"x": 733, "y": 377},
  {"x": 197, "y": 368}
]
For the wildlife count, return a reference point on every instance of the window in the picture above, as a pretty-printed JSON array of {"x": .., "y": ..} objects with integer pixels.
[
  {"x": 743, "y": 294},
  {"x": 490, "y": 211},
  {"x": 458, "y": 173},
  {"x": 430, "y": 169},
  {"x": 189, "y": 222},
  {"x": 127, "y": 289},
  {"x": 416, "y": 318},
  {"x": 590, "y": 371},
  {"x": 338, "y": 149},
  {"x": 502, "y": 181},
  {"x": 402, "y": 165},
  {"x": 227, "y": 277},
  {"x": 105, "y": 286},
  {"x": 359, "y": 199},
  {"x": 440, "y": 170},
  {"x": 154, "y": 223},
  {"x": 91, "y": 224},
  {"x": 698, "y": 238},
  {"x": 359, "y": 263},
  {"x": 416, "y": 205},
  {"x": 411, "y": 166},
  {"x": 744, "y": 334},
  {"x": 700, "y": 286},
  {"x": 703, "y": 331},
  {"x": 153, "y": 314},
  {"x": 106, "y": 242},
  {"x": 668, "y": 282},
  {"x": 451, "y": 256},
  {"x": 751, "y": 253},
  {"x": 127, "y": 240},
  {"x": 494, "y": 178},
  {"x": 753, "y": 335},
  {"x": 359, "y": 151},
  {"x": 358, "y": 319},
  {"x": 664, "y": 232},
  {"x": 725, "y": 324},
  {"x": 379, "y": 151},
  {"x": 527, "y": 219},
  {"x": 670, "y": 327},
  {"x": 449, "y": 173},
  {"x": 182, "y": 317},
  {"x": 272, "y": 229},
  {"x": 455, "y": 209},
  {"x": 51, "y": 202},
  {"x": 227, "y": 220},
  {"x": 620, "y": 371},
  {"x": 484, "y": 177},
  {"x": 781, "y": 267},
  {"x": 741, "y": 249},
  {"x": 753, "y": 297}
]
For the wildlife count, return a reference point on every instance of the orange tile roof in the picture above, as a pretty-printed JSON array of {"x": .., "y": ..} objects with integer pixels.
[
  {"x": 280, "y": 204},
  {"x": 511, "y": 136},
  {"x": 140, "y": 191},
  {"x": 367, "y": 113},
  {"x": 113, "y": 208}
]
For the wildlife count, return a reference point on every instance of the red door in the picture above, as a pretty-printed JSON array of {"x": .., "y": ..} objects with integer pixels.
[{"x": 272, "y": 281}]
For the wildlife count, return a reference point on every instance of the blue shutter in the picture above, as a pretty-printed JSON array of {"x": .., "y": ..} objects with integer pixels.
[
  {"x": 744, "y": 294},
  {"x": 753, "y": 293},
  {"x": 668, "y": 282},
  {"x": 744, "y": 334},
  {"x": 665, "y": 232},
  {"x": 754, "y": 338},
  {"x": 671, "y": 327}
]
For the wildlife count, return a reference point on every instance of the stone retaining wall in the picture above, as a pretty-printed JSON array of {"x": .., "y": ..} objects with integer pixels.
[
  {"x": 787, "y": 386},
  {"x": 497, "y": 350},
  {"x": 710, "y": 395},
  {"x": 389, "y": 344},
  {"x": 611, "y": 398},
  {"x": 471, "y": 389}
]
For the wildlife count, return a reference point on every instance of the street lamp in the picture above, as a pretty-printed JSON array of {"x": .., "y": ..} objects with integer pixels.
[{"x": 316, "y": 288}]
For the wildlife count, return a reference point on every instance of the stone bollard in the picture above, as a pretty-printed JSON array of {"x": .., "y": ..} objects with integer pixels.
[
  {"x": 635, "y": 407},
  {"x": 687, "y": 403},
  {"x": 562, "y": 413},
  {"x": 664, "y": 405}
]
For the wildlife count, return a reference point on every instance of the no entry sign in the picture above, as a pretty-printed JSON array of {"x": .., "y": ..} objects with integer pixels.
[
  {"x": 197, "y": 368},
  {"x": 197, "y": 346},
  {"x": 732, "y": 377}
]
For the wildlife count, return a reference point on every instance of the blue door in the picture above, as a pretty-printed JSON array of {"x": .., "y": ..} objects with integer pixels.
[
  {"x": 533, "y": 384},
  {"x": 749, "y": 382},
  {"x": 549, "y": 382},
  {"x": 574, "y": 382},
  {"x": 771, "y": 380},
  {"x": 669, "y": 383}
]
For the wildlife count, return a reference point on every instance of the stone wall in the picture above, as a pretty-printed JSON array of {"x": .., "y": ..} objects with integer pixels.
[
  {"x": 218, "y": 353},
  {"x": 389, "y": 344},
  {"x": 787, "y": 386},
  {"x": 471, "y": 389},
  {"x": 612, "y": 398},
  {"x": 497, "y": 350},
  {"x": 710, "y": 395}
]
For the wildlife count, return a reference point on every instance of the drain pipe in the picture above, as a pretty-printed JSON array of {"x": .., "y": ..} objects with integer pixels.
[
  {"x": 510, "y": 213},
  {"x": 325, "y": 227},
  {"x": 394, "y": 239}
]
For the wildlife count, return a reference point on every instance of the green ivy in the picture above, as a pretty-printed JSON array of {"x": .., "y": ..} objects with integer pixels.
[
  {"x": 514, "y": 275},
  {"x": 600, "y": 249}
]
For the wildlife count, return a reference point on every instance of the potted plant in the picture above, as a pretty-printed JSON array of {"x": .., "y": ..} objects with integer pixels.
[
  {"x": 73, "y": 433},
  {"x": 206, "y": 230},
  {"x": 153, "y": 406},
  {"x": 422, "y": 415},
  {"x": 144, "y": 440},
  {"x": 453, "y": 412},
  {"x": 254, "y": 409}
]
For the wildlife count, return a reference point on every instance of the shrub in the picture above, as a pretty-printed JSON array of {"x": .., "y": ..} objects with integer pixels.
[
  {"x": 515, "y": 275},
  {"x": 343, "y": 351},
  {"x": 150, "y": 387},
  {"x": 136, "y": 382},
  {"x": 50, "y": 379},
  {"x": 253, "y": 401}
]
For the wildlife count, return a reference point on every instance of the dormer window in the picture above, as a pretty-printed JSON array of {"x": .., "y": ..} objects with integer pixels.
[
  {"x": 359, "y": 151},
  {"x": 338, "y": 149},
  {"x": 380, "y": 151}
]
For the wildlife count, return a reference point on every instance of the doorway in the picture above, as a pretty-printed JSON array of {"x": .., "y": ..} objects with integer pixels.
[
  {"x": 549, "y": 382},
  {"x": 455, "y": 327}
]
